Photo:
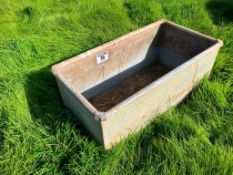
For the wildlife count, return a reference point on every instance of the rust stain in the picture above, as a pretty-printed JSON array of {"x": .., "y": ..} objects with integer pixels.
[
  {"x": 195, "y": 73},
  {"x": 179, "y": 94},
  {"x": 101, "y": 72}
]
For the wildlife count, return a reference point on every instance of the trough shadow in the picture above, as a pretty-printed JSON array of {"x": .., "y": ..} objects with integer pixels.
[
  {"x": 221, "y": 11},
  {"x": 3, "y": 127},
  {"x": 45, "y": 103}
]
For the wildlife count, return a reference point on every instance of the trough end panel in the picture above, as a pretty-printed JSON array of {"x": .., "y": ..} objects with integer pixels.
[{"x": 86, "y": 117}]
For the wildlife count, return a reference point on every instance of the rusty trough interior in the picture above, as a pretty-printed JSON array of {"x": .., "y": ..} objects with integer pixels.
[{"x": 134, "y": 62}]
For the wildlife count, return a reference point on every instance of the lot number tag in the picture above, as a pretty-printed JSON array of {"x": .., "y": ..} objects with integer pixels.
[{"x": 100, "y": 58}]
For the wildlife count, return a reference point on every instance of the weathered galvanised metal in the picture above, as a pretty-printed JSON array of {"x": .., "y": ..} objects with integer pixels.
[{"x": 188, "y": 54}]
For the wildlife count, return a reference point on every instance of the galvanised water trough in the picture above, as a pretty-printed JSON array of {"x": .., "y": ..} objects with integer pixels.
[{"x": 118, "y": 87}]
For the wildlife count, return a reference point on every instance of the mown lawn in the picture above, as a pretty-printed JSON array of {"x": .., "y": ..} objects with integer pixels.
[{"x": 38, "y": 135}]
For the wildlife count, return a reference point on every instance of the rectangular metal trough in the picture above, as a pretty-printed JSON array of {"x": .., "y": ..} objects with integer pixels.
[{"x": 118, "y": 87}]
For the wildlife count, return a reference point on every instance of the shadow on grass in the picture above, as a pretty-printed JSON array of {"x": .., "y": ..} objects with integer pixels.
[
  {"x": 3, "y": 127},
  {"x": 221, "y": 11},
  {"x": 45, "y": 102}
]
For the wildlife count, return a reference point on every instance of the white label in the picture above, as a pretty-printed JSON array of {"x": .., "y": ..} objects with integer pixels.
[{"x": 102, "y": 57}]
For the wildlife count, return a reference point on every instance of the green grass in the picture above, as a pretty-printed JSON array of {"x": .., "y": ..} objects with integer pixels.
[{"x": 38, "y": 135}]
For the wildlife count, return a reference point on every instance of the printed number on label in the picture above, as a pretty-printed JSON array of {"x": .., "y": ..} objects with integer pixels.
[{"x": 102, "y": 57}]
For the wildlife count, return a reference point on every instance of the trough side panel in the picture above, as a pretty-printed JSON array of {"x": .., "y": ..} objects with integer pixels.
[
  {"x": 81, "y": 112},
  {"x": 85, "y": 73},
  {"x": 156, "y": 100}
]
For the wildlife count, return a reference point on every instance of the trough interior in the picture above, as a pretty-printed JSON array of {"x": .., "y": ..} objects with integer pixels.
[
  {"x": 128, "y": 86},
  {"x": 134, "y": 63}
]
